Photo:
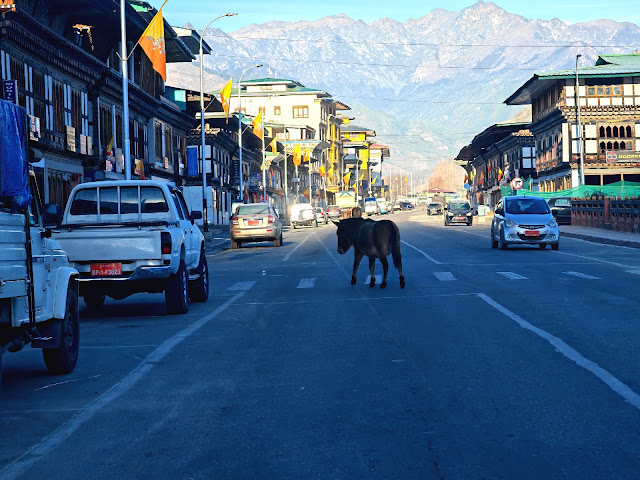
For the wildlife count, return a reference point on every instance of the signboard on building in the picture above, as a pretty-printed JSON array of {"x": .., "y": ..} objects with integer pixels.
[
  {"x": 71, "y": 138},
  {"x": 34, "y": 128},
  {"x": 119, "y": 160},
  {"x": 10, "y": 90},
  {"x": 83, "y": 144},
  {"x": 612, "y": 157},
  {"x": 254, "y": 182},
  {"x": 192, "y": 161}
]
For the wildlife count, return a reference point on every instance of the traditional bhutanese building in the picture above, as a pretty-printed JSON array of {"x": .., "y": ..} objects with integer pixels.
[
  {"x": 356, "y": 144},
  {"x": 608, "y": 96}
]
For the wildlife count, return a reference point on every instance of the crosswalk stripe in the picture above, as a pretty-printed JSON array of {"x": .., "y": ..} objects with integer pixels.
[
  {"x": 242, "y": 286},
  {"x": 444, "y": 276},
  {"x": 512, "y": 275},
  {"x": 635, "y": 272},
  {"x": 307, "y": 283},
  {"x": 582, "y": 275},
  {"x": 378, "y": 279}
]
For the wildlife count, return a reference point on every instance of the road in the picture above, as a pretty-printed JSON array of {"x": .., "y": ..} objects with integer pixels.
[{"x": 489, "y": 364}]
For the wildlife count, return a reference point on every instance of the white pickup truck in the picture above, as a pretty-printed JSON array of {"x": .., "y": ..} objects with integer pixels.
[{"x": 130, "y": 236}]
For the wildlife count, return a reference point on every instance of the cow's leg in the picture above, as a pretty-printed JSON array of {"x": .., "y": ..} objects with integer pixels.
[
  {"x": 357, "y": 257},
  {"x": 385, "y": 270},
  {"x": 372, "y": 270}
]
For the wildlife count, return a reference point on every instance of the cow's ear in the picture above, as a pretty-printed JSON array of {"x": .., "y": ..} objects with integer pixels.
[{"x": 337, "y": 223}]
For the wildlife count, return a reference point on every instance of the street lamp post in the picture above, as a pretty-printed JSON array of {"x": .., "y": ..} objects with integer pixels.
[
  {"x": 240, "y": 126},
  {"x": 204, "y": 170},
  {"x": 578, "y": 125}
]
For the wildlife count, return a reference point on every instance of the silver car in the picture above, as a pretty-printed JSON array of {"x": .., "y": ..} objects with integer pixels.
[
  {"x": 255, "y": 222},
  {"x": 521, "y": 220}
]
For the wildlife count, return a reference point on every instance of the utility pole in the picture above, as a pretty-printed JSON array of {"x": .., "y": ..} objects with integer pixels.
[
  {"x": 578, "y": 125},
  {"x": 125, "y": 92}
]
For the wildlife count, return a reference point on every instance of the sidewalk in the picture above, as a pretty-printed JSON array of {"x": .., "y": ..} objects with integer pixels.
[
  {"x": 216, "y": 239},
  {"x": 600, "y": 235}
]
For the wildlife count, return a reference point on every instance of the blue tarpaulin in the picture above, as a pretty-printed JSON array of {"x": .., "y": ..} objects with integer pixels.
[{"x": 14, "y": 167}]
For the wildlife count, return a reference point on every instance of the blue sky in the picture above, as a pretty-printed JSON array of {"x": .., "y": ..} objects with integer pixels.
[{"x": 200, "y": 12}]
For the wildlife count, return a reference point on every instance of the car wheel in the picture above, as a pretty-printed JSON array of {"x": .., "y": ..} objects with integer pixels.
[
  {"x": 234, "y": 244},
  {"x": 177, "y": 293},
  {"x": 94, "y": 299},
  {"x": 293, "y": 225},
  {"x": 199, "y": 290},
  {"x": 555, "y": 246},
  {"x": 446, "y": 224},
  {"x": 501, "y": 243},
  {"x": 64, "y": 358},
  {"x": 494, "y": 242},
  {"x": 278, "y": 241},
  {"x": 543, "y": 245}
]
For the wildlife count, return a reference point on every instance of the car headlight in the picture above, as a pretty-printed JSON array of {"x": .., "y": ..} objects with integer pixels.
[
  {"x": 469, "y": 214},
  {"x": 552, "y": 223},
  {"x": 510, "y": 223}
]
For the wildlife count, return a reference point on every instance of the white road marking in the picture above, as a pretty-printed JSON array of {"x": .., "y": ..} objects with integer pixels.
[
  {"x": 594, "y": 259},
  {"x": 635, "y": 272},
  {"x": 428, "y": 257},
  {"x": 307, "y": 283},
  {"x": 18, "y": 467},
  {"x": 288, "y": 255},
  {"x": 512, "y": 275},
  {"x": 242, "y": 286},
  {"x": 616, "y": 385},
  {"x": 444, "y": 276},
  {"x": 378, "y": 279},
  {"x": 582, "y": 275}
]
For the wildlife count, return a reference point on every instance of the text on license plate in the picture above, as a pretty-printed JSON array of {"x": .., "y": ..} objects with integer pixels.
[
  {"x": 106, "y": 269},
  {"x": 253, "y": 222},
  {"x": 532, "y": 233}
]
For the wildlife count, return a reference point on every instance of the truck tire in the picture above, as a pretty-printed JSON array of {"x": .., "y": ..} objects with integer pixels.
[
  {"x": 64, "y": 358},
  {"x": 199, "y": 289},
  {"x": 94, "y": 299},
  {"x": 177, "y": 293}
]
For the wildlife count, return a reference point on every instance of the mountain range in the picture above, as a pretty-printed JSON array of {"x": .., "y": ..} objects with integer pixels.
[{"x": 427, "y": 86}]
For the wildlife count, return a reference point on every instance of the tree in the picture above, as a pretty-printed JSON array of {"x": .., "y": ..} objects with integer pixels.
[{"x": 447, "y": 176}]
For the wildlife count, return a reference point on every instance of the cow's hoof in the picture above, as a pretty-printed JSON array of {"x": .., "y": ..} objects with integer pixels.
[
  {"x": 401, "y": 282},
  {"x": 353, "y": 280},
  {"x": 383, "y": 284},
  {"x": 372, "y": 284}
]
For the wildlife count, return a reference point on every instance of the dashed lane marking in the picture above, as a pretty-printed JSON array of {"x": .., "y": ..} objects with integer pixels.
[
  {"x": 288, "y": 255},
  {"x": 444, "y": 276},
  {"x": 307, "y": 283},
  {"x": 512, "y": 275},
  {"x": 242, "y": 286},
  {"x": 427, "y": 256},
  {"x": 582, "y": 275}
]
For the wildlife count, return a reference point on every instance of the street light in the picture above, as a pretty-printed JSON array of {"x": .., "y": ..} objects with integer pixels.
[
  {"x": 240, "y": 126},
  {"x": 204, "y": 170},
  {"x": 579, "y": 127}
]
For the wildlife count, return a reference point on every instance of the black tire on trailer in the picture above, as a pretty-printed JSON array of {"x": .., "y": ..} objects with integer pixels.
[
  {"x": 199, "y": 289},
  {"x": 94, "y": 299},
  {"x": 63, "y": 359},
  {"x": 177, "y": 293}
]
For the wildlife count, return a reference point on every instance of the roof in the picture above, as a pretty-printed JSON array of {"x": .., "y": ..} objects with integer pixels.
[
  {"x": 191, "y": 39},
  {"x": 486, "y": 138},
  {"x": 606, "y": 66},
  {"x": 350, "y": 128},
  {"x": 268, "y": 80}
]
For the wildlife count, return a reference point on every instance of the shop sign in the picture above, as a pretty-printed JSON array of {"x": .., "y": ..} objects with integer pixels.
[
  {"x": 10, "y": 91},
  {"x": 71, "y": 138},
  {"x": 192, "y": 161},
  {"x": 83, "y": 144},
  {"x": 34, "y": 128}
]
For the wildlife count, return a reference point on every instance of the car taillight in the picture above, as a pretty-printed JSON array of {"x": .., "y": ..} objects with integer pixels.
[
  {"x": 272, "y": 219},
  {"x": 234, "y": 221},
  {"x": 165, "y": 243}
]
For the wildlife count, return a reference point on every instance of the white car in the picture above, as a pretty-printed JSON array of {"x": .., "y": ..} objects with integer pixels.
[
  {"x": 521, "y": 220},
  {"x": 303, "y": 214}
]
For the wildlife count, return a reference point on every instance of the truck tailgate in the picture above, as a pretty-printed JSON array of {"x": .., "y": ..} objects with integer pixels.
[
  {"x": 13, "y": 256},
  {"x": 110, "y": 244}
]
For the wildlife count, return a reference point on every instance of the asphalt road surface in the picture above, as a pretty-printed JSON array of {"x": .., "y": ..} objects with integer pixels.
[{"x": 489, "y": 364}]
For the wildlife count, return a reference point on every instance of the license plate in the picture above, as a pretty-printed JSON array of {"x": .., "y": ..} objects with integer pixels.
[
  {"x": 253, "y": 222},
  {"x": 532, "y": 233},
  {"x": 106, "y": 269},
  {"x": 460, "y": 218}
]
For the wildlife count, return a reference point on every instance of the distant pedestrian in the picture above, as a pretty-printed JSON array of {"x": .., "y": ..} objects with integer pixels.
[{"x": 356, "y": 212}]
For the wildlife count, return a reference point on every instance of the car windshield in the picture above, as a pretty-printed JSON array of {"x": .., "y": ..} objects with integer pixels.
[
  {"x": 562, "y": 202},
  {"x": 527, "y": 206},
  {"x": 434, "y": 204},
  {"x": 253, "y": 209},
  {"x": 459, "y": 206}
]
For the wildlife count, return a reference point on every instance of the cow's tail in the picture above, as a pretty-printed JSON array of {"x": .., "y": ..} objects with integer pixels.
[{"x": 395, "y": 247}]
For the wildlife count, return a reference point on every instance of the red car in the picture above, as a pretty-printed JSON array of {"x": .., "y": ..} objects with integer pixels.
[{"x": 334, "y": 211}]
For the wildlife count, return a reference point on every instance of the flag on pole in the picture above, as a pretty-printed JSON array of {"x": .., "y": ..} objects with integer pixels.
[
  {"x": 306, "y": 155},
  {"x": 330, "y": 172},
  {"x": 321, "y": 170},
  {"x": 109, "y": 148},
  {"x": 274, "y": 146},
  {"x": 152, "y": 42},
  {"x": 347, "y": 177},
  {"x": 257, "y": 126},
  {"x": 499, "y": 173},
  {"x": 374, "y": 180},
  {"x": 361, "y": 177},
  {"x": 305, "y": 194},
  {"x": 406, "y": 179},
  {"x": 364, "y": 164},
  {"x": 296, "y": 155},
  {"x": 225, "y": 95}
]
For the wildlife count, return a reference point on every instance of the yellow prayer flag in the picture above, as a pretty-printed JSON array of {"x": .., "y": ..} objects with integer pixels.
[
  {"x": 307, "y": 157},
  {"x": 330, "y": 172},
  {"x": 274, "y": 146},
  {"x": 257, "y": 126},
  {"x": 346, "y": 178},
  {"x": 152, "y": 42},
  {"x": 361, "y": 177},
  {"x": 296, "y": 155},
  {"x": 225, "y": 95},
  {"x": 373, "y": 182},
  {"x": 321, "y": 170},
  {"x": 364, "y": 164}
]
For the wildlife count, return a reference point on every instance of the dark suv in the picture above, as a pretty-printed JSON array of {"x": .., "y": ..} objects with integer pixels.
[{"x": 458, "y": 211}]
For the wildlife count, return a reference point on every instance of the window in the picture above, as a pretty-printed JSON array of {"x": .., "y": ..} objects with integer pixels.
[
  {"x": 128, "y": 200},
  {"x": 276, "y": 110},
  {"x": 152, "y": 200},
  {"x": 108, "y": 201},
  {"x": 85, "y": 202},
  {"x": 301, "y": 112}
]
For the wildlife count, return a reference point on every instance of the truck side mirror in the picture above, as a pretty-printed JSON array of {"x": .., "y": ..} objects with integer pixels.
[
  {"x": 51, "y": 216},
  {"x": 195, "y": 215}
]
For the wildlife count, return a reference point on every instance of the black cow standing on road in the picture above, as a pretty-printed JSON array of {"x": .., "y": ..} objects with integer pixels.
[{"x": 373, "y": 239}]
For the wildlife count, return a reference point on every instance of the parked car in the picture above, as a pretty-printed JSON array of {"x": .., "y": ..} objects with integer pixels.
[
  {"x": 396, "y": 206},
  {"x": 255, "y": 222},
  {"x": 334, "y": 211},
  {"x": 131, "y": 236},
  {"x": 458, "y": 211},
  {"x": 521, "y": 220},
  {"x": 561, "y": 209},
  {"x": 382, "y": 206},
  {"x": 321, "y": 215},
  {"x": 370, "y": 206},
  {"x": 434, "y": 209},
  {"x": 303, "y": 214},
  {"x": 406, "y": 206}
]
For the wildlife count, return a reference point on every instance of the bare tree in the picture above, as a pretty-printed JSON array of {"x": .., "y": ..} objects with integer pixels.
[{"x": 447, "y": 176}]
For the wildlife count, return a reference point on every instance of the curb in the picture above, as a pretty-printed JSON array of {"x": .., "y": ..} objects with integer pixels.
[{"x": 602, "y": 240}]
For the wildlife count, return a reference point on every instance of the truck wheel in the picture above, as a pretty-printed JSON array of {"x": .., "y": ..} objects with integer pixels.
[
  {"x": 200, "y": 287},
  {"x": 94, "y": 299},
  {"x": 177, "y": 293},
  {"x": 64, "y": 358}
]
